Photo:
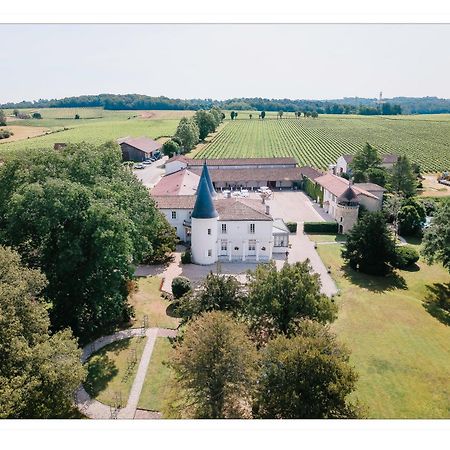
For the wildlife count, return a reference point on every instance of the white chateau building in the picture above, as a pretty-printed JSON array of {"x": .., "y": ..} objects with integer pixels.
[{"x": 225, "y": 229}]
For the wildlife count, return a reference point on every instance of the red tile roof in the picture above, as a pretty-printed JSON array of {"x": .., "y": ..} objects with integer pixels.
[
  {"x": 142, "y": 143},
  {"x": 235, "y": 161},
  {"x": 255, "y": 174},
  {"x": 175, "y": 201},
  {"x": 338, "y": 186},
  {"x": 182, "y": 182}
]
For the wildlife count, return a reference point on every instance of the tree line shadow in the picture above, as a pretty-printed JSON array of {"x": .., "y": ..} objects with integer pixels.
[
  {"x": 374, "y": 283},
  {"x": 437, "y": 301}
]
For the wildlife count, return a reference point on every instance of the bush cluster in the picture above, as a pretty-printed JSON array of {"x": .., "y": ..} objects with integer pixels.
[
  {"x": 186, "y": 257},
  {"x": 180, "y": 286},
  {"x": 405, "y": 257},
  {"x": 292, "y": 227}
]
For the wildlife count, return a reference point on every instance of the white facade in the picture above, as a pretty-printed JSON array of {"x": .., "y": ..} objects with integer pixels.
[
  {"x": 245, "y": 240},
  {"x": 341, "y": 166},
  {"x": 179, "y": 218},
  {"x": 204, "y": 240}
]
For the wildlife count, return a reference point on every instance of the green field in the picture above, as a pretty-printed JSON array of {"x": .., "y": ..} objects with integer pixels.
[
  {"x": 95, "y": 125},
  {"x": 319, "y": 142},
  {"x": 400, "y": 350}
]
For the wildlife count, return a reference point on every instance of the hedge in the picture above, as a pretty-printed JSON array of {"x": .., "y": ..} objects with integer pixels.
[
  {"x": 405, "y": 257},
  {"x": 292, "y": 227},
  {"x": 320, "y": 227}
]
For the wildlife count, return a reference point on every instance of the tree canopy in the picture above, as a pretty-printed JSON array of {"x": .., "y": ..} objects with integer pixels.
[
  {"x": 403, "y": 179},
  {"x": 84, "y": 219},
  {"x": 278, "y": 299},
  {"x": 365, "y": 159},
  {"x": 436, "y": 241},
  {"x": 188, "y": 133},
  {"x": 38, "y": 371},
  {"x": 370, "y": 246},
  {"x": 307, "y": 376},
  {"x": 217, "y": 292},
  {"x": 215, "y": 367},
  {"x": 2, "y": 118}
]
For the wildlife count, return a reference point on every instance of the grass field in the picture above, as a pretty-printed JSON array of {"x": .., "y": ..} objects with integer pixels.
[
  {"x": 400, "y": 350},
  {"x": 156, "y": 382},
  {"x": 148, "y": 301},
  {"x": 319, "y": 142},
  {"x": 107, "y": 370},
  {"x": 95, "y": 125}
]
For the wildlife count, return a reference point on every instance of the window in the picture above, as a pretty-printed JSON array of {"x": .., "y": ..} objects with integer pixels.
[
  {"x": 209, "y": 230},
  {"x": 224, "y": 228},
  {"x": 223, "y": 245},
  {"x": 251, "y": 245},
  {"x": 174, "y": 214},
  {"x": 252, "y": 228},
  {"x": 279, "y": 241},
  {"x": 210, "y": 252},
  {"x": 190, "y": 214}
]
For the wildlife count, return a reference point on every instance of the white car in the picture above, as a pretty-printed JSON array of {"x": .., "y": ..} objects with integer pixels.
[
  {"x": 139, "y": 166},
  {"x": 245, "y": 193}
]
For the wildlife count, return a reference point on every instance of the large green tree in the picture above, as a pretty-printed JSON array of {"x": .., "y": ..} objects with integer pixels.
[
  {"x": 84, "y": 219},
  {"x": 436, "y": 240},
  {"x": 170, "y": 148},
  {"x": 277, "y": 299},
  {"x": 365, "y": 159},
  {"x": 403, "y": 179},
  {"x": 214, "y": 369},
  {"x": 307, "y": 376},
  {"x": 217, "y": 292},
  {"x": 370, "y": 246},
  {"x": 206, "y": 123},
  {"x": 39, "y": 371},
  {"x": 2, "y": 118},
  {"x": 188, "y": 133}
]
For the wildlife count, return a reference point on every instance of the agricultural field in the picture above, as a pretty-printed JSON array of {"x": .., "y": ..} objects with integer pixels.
[
  {"x": 95, "y": 125},
  {"x": 319, "y": 142}
]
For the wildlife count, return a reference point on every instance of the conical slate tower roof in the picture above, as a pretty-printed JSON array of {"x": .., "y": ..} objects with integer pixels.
[
  {"x": 204, "y": 206},
  {"x": 205, "y": 174},
  {"x": 349, "y": 194}
]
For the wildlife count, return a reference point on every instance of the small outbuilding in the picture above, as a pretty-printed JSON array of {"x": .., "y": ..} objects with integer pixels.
[{"x": 138, "y": 149}]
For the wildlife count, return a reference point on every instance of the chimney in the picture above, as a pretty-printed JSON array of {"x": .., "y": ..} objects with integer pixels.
[{"x": 267, "y": 209}]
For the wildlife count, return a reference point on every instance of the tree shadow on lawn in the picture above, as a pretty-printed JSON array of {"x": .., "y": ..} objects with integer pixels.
[
  {"x": 437, "y": 301},
  {"x": 374, "y": 283},
  {"x": 102, "y": 369}
]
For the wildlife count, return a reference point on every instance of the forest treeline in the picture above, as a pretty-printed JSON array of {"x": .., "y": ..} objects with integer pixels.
[{"x": 347, "y": 105}]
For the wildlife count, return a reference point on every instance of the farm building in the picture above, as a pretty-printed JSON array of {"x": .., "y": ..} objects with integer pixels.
[
  {"x": 245, "y": 172},
  {"x": 225, "y": 229},
  {"x": 342, "y": 199},
  {"x": 343, "y": 163},
  {"x": 138, "y": 149}
]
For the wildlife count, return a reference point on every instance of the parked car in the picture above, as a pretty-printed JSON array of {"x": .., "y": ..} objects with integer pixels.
[
  {"x": 139, "y": 166},
  {"x": 147, "y": 161}
]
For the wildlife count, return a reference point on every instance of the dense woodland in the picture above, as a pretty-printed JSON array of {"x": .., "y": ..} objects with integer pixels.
[{"x": 347, "y": 105}]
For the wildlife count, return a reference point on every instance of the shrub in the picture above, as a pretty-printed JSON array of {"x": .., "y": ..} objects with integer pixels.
[
  {"x": 292, "y": 227},
  {"x": 186, "y": 257},
  {"x": 405, "y": 257},
  {"x": 320, "y": 227},
  {"x": 36, "y": 115},
  {"x": 180, "y": 286}
]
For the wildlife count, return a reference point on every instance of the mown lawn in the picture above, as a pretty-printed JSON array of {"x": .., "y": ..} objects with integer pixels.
[
  {"x": 158, "y": 375},
  {"x": 108, "y": 372},
  {"x": 401, "y": 351},
  {"x": 148, "y": 301},
  {"x": 326, "y": 237}
]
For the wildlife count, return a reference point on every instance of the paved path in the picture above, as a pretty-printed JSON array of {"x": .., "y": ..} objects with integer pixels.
[
  {"x": 96, "y": 410},
  {"x": 133, "y": 399},
  {"x": 303, "y": 248}
]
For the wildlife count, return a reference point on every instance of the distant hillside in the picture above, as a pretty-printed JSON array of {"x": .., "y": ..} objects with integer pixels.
[{"x": 348, "y": 105}]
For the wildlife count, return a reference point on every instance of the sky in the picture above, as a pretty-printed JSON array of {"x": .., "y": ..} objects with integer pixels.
[{"x": 224, "y": 61}]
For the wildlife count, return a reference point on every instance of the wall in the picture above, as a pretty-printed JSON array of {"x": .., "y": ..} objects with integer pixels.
[
  {"x": 130, "y": 153},
  {"x": 346, "y": 217},
  {"x": 201, "y": 241},
  {"x": 238, "y": 234},
  {"x": 371, "y": 204},
  {"x": 341, "y": 166},
  {"x": 182, "y": 215}
]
